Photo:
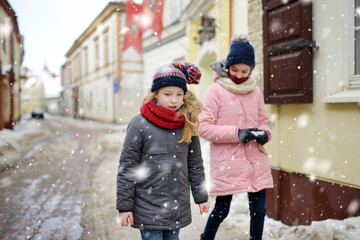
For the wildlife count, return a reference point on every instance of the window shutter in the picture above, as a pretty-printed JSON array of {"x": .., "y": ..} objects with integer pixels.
[{"x": 288, "y": 70}]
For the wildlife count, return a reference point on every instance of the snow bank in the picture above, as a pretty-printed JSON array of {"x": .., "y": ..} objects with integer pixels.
[
  {"x": 329, "y": 229},
  {"x": 16, "y": 142},
  {"x": 239, "y": 219}
]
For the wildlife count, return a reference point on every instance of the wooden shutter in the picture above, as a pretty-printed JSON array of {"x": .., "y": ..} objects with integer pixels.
[{"x": 288, "y": 71}]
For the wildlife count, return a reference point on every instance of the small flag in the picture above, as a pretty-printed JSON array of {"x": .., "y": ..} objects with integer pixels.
[
  {"x": 140, "y": 18},
  {"x": 154, "y": 10},
  {"x": 133, "y": 34}
]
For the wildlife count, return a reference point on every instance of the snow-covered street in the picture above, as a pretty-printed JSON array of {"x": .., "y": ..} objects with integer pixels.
[
  {"x": 46, "y": 179},
  {"x": 58, "y": 181}
]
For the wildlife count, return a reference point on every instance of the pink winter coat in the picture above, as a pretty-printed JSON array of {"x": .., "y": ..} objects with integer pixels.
[{"x": 235, "y": 167}]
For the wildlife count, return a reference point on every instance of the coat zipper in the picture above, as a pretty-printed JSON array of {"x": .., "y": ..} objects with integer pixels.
[{"x": 245, "y": 147}]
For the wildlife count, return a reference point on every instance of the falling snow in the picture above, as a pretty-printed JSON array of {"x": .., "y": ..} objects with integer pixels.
[{"x": 104, "y": 188}]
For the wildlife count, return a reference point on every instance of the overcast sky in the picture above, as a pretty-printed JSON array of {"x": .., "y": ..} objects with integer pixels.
[{"x": 50, "y": 28}]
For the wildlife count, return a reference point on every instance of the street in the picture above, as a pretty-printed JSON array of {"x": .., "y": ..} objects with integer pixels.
[
  {"x": 58, "y": 181},
  {"x": 44, "y": 193},
  {"x": 62, "y": 185}
]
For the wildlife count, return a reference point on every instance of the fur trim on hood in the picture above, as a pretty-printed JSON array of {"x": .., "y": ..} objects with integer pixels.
[{"x": 220, "y": 68}]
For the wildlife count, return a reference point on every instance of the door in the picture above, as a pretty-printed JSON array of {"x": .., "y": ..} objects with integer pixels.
[{"x": 288, "y": 44}]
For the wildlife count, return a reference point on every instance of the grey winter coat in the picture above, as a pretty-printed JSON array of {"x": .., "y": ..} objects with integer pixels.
[{"x": 155, "y": 175}]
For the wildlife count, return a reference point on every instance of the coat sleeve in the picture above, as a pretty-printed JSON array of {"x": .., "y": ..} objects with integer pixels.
[
  {"x": 263, "y": 118},
  {"x": 208, "y": 118},
  {"x": 196, "y": 172},
  {"x": 129, "y": 160}
]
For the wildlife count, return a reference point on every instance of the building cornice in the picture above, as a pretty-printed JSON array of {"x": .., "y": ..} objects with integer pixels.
[
  {"x": 104, "y": 15},
  {"x": 165, "y": 40}
]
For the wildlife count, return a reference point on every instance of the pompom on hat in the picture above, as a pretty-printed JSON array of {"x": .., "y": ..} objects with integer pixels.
[
  {"x": 176, "y": 74},
  {"x": 241, "y": 51}
]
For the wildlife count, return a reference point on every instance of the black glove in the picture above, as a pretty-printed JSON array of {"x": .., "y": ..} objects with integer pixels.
[
  {"x": 245, "y": 135},
  {"x": 260, "y": 136}
]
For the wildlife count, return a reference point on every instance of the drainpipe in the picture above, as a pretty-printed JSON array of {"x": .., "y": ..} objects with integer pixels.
[{"x": 230, "y": 20}]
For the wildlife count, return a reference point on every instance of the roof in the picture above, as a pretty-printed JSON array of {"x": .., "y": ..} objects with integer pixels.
[{"x": 107, "y": 11}]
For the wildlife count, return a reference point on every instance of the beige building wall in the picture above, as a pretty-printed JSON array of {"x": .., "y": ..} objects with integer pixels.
[
  {"x": 314, "y": 151},
  {"x": 320, "y": 139}
]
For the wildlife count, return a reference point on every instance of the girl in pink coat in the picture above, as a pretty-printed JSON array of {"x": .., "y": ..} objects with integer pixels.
[{"x": 234, "y": 120}]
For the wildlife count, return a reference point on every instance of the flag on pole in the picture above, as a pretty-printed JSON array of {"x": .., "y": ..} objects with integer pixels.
[
  {"x": 133, "y": 34},
  {"x": 140, "y": 18},
  {"x": 154, "y": 9}
]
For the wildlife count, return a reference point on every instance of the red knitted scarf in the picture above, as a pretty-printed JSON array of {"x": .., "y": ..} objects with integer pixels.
[{"x": 162, "y": 117}]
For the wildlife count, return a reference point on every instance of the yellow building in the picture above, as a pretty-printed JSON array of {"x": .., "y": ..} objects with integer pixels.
[
  {"x": 308, "y": 65},
  {"x": 32, "y": 95},
  {"x": 11, "y": 56}
]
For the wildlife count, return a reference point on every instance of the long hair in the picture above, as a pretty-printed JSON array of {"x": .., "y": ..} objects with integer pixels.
[{"x": 191, "y": 110}]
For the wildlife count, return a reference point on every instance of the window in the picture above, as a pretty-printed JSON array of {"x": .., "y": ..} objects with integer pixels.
[
  {"x": 4, "y": 33},
  {"x": 77, "y": 67},
  {"x": 86, "y": 70},
  {"x": 176, "y": 7},
  {"x": 106, "y": 48},
  {"x": 105, "y": 100},
  {"x": 69, "y": 72},
  {"x": 338, "y": 58},
  {"x": 3, "y": 41},
  {"x": 97, "y": 53},
  {"x": 12, "y": 50},
  {"x": 90, "y": 99}
]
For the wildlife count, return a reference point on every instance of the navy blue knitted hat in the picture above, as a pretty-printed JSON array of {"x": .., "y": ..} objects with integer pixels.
[
  {"x": 241, "y": 51},
  {"x": 176, "y": 74}
]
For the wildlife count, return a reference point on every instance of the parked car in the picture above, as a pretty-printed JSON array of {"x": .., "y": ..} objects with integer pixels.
[{"x": 37, "y": 113}]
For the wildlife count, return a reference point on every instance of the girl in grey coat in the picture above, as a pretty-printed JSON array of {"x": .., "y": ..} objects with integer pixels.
[{"x": 161, "y": 158}]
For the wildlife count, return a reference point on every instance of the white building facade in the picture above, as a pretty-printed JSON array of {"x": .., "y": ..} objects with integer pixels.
[{"x": 100, "y": 81}]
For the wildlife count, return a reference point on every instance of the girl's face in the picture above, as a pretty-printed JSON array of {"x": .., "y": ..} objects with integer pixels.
[
  {"x": 240, "y": 70},
  {"x": 170, "y": 97}
]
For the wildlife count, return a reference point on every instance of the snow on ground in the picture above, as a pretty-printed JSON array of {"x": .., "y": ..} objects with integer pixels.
[{"x": 21, "y": 139}]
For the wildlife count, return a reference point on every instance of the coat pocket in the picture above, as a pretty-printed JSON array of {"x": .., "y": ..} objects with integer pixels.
[{"x": 224, "y": 151}]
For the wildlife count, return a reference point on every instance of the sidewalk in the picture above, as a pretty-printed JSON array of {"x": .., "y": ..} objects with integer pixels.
[{"x": 106, "y": 220}]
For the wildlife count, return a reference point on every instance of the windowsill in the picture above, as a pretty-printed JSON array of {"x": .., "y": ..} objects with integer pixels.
[{"x": 346, "y": 96}]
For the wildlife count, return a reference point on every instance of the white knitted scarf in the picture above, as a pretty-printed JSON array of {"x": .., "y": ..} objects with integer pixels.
[{"x": 243, "y": 88}]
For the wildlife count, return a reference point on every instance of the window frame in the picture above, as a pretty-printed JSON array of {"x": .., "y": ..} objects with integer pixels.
[
  {"x": 106, "y": 48},
  {"x": 105, "y": 99},
  {"x": 177, "y": 7},
  {"x": 349, "y": 92},
  {"x": 96, "y": 53}
]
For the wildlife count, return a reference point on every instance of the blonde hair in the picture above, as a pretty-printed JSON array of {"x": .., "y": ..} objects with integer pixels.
[{"x": 191, "y": 110}]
